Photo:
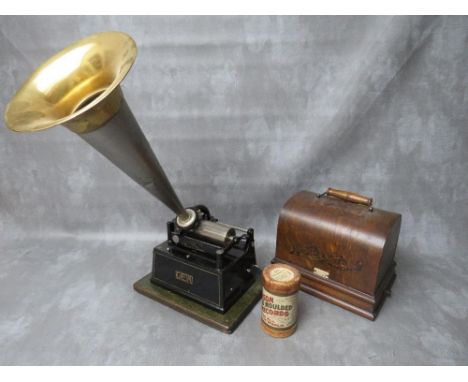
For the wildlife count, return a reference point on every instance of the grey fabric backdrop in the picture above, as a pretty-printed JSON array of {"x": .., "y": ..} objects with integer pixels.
[{"x": 242, "y": 112}]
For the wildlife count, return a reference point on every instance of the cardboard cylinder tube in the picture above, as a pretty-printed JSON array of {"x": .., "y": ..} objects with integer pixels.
[{"x": 279, "y": 300}]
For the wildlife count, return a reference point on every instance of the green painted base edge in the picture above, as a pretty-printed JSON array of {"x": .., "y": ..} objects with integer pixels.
[{"x": 226, "y": 322}]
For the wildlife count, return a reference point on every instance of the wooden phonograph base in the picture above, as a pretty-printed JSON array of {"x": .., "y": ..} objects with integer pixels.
[{"x": 226, "y": 322}]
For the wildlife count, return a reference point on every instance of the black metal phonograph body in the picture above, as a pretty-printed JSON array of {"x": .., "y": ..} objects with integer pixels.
[
  {"x": 205, "y": 269},
  {"x": 211, "y": 262}
]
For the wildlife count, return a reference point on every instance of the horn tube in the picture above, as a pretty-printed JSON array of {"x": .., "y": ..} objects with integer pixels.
[{"x": 79, "y": 87}]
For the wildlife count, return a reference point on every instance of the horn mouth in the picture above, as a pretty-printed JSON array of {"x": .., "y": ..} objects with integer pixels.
[{"x": 71, "y": 82}]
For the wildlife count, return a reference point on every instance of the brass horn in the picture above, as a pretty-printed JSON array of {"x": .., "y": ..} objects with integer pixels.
[{"x": 79, "y": 87}]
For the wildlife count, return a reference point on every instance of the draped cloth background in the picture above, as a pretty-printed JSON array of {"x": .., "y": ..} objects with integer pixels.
[{"x": 242, "y": 112}]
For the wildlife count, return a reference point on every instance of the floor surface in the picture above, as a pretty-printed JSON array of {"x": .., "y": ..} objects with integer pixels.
[{"x": 66, "y": 301}]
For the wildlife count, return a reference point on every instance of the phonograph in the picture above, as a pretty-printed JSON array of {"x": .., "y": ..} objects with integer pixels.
[{"x": 205, "y": 269}]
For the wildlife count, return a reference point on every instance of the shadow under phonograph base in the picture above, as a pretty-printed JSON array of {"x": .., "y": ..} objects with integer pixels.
[{"x": 225, "y": 322}]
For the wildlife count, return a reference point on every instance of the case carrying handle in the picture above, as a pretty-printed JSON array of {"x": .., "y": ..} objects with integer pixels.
[{"x": 349, "y": 196}]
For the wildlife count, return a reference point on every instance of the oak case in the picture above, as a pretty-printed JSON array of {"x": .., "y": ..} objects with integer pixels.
[{"x": 343, "y": 247}]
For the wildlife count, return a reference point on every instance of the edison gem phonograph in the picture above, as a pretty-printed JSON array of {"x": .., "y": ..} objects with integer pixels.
[{"x": 205, "y": 268}]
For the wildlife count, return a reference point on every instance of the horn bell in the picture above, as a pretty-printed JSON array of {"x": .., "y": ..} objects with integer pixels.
[
  {"x": 79, "y": 87},
  {"x": 70, "y": 85}
]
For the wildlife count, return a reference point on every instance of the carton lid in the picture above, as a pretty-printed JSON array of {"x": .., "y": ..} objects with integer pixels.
[{"x": 281, "y": 279}]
